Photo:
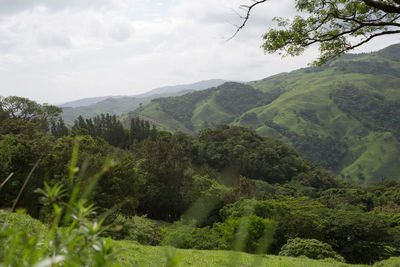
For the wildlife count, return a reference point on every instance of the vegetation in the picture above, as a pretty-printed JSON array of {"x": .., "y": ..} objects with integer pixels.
[
  {"x": 224, "y": 189},
  {"x": 92, "y": 107},
  {"x": 27, "y": 242},
  {"x": 331, "y": 25},
  {"x": 311, "y": 248},
  {"x": 341, "y": 116}
]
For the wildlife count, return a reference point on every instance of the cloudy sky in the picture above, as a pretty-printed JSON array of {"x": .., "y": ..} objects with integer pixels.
[{"x": 59, "y": 50}]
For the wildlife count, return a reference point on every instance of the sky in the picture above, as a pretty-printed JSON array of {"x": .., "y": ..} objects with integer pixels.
[{"x": 54, "y": 51}]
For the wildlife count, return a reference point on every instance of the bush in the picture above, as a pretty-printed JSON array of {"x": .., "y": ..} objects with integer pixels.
[
  {"x": 311, "y": 248},
  {"x": 177, "y": 235},
  {"x": 248, "y": 233},
  {"x": 187, "y": 236},
  {"x": 22, "y": 221},
  {"x": 205, "y": 238},
  {"x": 137, "y": 228}
]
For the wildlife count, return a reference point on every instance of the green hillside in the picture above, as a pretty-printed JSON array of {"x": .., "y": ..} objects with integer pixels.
[
  {"x": 91, "y": 107},
  {"x": 344, "y": 116}
]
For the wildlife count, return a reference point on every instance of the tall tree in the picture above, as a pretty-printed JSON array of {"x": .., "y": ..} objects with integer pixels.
[{"x": 20, "y": 108}]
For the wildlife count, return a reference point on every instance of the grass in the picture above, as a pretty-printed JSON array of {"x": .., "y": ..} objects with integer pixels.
[{"x": 130, "y": 253}]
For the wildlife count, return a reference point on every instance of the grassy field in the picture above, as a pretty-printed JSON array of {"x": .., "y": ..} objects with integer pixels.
[{"x": 131, "y": 254}]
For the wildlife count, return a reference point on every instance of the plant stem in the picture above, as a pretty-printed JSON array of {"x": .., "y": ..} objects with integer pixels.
[
  {"x": 6, "y": 180},
  {"x": 24, "y": 185},
  {"x": 20, "y": 192}
]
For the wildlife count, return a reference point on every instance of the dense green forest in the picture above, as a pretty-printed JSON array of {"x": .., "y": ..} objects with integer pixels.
[
  {"x": 226, "y": 188},
  {"x": 342, "y": 116}
]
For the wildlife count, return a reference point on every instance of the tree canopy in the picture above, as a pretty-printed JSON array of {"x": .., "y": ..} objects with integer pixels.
[{"x": 336, "y": 26}]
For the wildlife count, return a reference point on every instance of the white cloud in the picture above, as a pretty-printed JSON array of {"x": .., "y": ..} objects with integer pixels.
[{"x": 58, "y": 50}]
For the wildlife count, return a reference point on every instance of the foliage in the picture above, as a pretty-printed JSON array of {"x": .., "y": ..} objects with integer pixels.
[
  {"x": 105, "y": 126},
  {"x": 120, "y": 187},
  {"x": 25, "y": 242},
  {"x": 238, "y": 98},
  {"x": 14, "y": 107},
  {"x": 111, "y": 129},
  {"x": 18, "y": 153},
  {"x": 373, "y": 110},
  {"x": 251, "y": 155},
  {"x": 246, "y": 207},
  {"x": 187, "y": 236},
  {"x": 138, "y": 228},
  {"x": 358, "y": 237},
  {"x": 312, "y": 110},
  {"x": 226, "y": 188},
  {"x": 182, "y": 107},
  {"x": 311, "y": 248},
  {"x": 331, "y": 25},
  {"x": 165, "y": 165},
  {"x": 324, "y": 152}
]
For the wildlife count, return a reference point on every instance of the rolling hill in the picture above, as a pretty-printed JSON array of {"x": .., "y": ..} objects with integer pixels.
[
  {"x": 117, "y": 105},
  {"x": 344, "y": 116}
]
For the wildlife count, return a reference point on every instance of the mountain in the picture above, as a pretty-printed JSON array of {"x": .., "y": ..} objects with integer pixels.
[
  {"x": 183, "y": 87},
  {"x": 344, "y": 116},
  {"x": 89, "y": 107},
  {"x": 86, "y": 101}
]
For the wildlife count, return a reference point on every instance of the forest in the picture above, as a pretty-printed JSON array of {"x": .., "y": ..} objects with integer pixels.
[
  {"x": 225, "y": 188},
  {"x": 342, "y": 116}
]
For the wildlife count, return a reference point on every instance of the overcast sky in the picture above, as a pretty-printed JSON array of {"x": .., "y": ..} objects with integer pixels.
[{"x": 59, "y": 50}]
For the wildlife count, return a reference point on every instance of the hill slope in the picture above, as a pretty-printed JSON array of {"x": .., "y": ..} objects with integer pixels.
[
  {"x": 117, "y": 105},
  {"x": 344, "y": 116}
]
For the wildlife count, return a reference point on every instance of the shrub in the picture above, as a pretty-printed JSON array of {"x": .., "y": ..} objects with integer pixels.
[
  {"x": 205, "y": 238},
  {"x": 311, "y": 248},
  {"x": 177, "y": 235},
  {"x": 248, "y": 233},
  {"x": 138, "y": 228},
  {"x": 27, "y": 242},
  {"x": 187, "y": 236}
]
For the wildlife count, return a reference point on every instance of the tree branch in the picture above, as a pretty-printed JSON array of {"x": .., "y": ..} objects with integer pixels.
[
  {"x": 351, "y": 47},
  {"x": 382, "y": 6},
  {"x": 247, "y": 16}
]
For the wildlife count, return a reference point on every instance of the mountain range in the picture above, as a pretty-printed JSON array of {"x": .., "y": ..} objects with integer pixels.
[
  {"x": 344, "y": 116},
  {"x": 117, "y": 105}
]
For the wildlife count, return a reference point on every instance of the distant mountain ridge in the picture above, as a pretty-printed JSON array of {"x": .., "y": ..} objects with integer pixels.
[
  {"x": 344, "y": 116},
  {"x": 117, "y": 105},
  {"x": 183, "y": 87},
  {"x": 86, "y": 101}
]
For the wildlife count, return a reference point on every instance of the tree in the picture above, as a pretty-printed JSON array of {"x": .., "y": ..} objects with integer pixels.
[
  {"x": 58, "y": 128},
  {"x": 20, "y": 108},
  {"x": 331, "y": 24},
  {"x": 311, "y": 248}
]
